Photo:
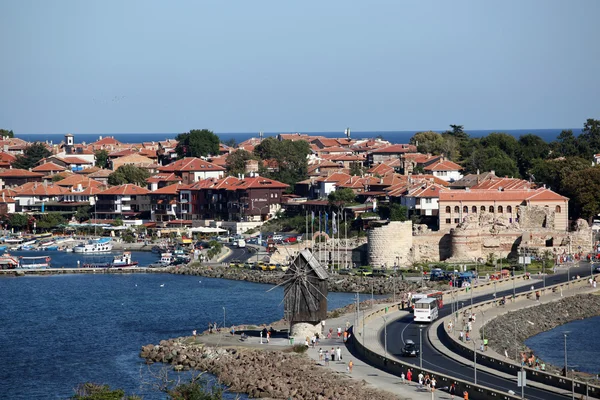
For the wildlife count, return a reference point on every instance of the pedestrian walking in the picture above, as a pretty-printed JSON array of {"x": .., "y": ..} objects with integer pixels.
[
  {"x": 327, "y": 357},
  {"x": 452, "y": 390},
  {"x": 320, "y": 354},
  {"x": 537, "y": 295},
  {"x": 420, "y": 377},
  {"x": 345, "y": 336},
  {"x": 333, "y": 354},
  {"x": 350, "y": 365},
  {"x": 432, "y": 383},
  {"x": 194, "y": 333},
  {"x": 465, "y": 395},
  {"x": 339, "y": 332},
  {"x": 338, "y": 354},
  {"x": 409, "y": 376},
  {"x": 402, "y": 376}
]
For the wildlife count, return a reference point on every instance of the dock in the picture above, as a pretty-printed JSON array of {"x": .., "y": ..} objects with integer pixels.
[{"x": 58, "y": 271}]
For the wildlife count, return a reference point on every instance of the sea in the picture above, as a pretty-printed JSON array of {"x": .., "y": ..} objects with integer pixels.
[
  {"x": 393, "y": 136},
  {"x": 58, "y": 331},
  {"x": 583, "y": 354}
]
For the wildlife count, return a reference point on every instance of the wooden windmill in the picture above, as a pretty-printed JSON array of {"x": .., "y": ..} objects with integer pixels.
[{"x": 305, "y": 290}]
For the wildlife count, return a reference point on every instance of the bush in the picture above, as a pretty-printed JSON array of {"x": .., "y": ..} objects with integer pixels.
[{"x": 299, "y": 348}]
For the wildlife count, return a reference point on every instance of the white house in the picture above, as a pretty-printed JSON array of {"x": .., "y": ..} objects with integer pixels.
[{"x": 444, "y": 169}]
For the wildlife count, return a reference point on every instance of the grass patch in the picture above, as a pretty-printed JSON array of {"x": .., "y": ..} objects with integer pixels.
[{"x": 299, "y": 348}]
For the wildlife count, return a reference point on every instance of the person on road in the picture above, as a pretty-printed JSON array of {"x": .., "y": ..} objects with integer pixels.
[
  {"x": 465, "y": 395},
  {"x": 452, "y": 390},
  {"x": 402, "y": 376},
  {"x": 409, "y": 375},
  {"x": 350, "y": 365},
  {"x": 421, "y": 380}
]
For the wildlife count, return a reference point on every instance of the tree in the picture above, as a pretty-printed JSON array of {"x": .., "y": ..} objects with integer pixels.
[
  {"x": 101, "y": 158},
  {"x": 356, "y": 169},
  {"x": 458, "y": 133},
  {"x": 341, "y": 197},
  {"x": 129, "y": 174},
  {"x": 290, "y": 157},
  {"x": 92, "y": 391},
  {"x": 582, "y": 187},
  {"x": 83, "y": 213},
  {"x": 31, "y": 156},
  {"x": 50, "y": 220},
  {"x": 57, "y": 178},
  {"x": 398, "y": 212},
  {"x": 589, "y": 139},
  {"x": 428, "y": 142},
  {"x": 554, "y": 173},
  {"x": 505, "y": 142},
  {"x": 4, "y": 133},
  {"x": 492, "y": 159},
  {"x": 18, "y": 221},
  {"x": 230, "y": 142},
  {"x": 197, "y": 143},
  {"x": 531, "y": 148},
  {"x": 236, "y": 161},
  {"x": 566, "y": 144}
]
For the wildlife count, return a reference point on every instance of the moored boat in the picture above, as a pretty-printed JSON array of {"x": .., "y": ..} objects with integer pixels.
[
  {"x": 34, "y": 262},
  {"x": 8, "y": 262},
  {"x": 124, "y": 261},
  {"x": 165, "y": 260},
  {"x": 102, "y": 245}
]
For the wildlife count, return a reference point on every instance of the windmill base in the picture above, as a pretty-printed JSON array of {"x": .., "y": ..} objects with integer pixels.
[{"x": 301, "y": 330}]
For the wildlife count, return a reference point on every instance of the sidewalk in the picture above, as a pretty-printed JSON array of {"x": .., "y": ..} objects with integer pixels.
[{"x": 376, "y": 378}]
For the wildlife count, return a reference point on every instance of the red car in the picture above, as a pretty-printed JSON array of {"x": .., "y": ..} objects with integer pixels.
[{"x": 291, "y": 239}]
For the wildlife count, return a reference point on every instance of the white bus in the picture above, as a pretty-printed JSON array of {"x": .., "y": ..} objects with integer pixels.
[
  {"x": 241, "y": 243},
  {"x": 426, "y": 310}
]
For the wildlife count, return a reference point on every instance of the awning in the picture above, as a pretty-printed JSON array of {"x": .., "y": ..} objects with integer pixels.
[{"x": 206, "y": 229}]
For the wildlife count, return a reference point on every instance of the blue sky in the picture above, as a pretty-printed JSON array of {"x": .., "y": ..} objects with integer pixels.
[{"x": 244, "y": 66}]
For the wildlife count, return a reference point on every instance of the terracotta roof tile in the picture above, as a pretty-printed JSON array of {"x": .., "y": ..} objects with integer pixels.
[{"x": 127, "y": 189}]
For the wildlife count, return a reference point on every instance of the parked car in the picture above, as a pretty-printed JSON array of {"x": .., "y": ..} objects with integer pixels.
[
  {"x": 364, "y": 272},
  {"x": 346, "y": 272},
  {"x": 380, "y": 273},
  {"x": 290, "y": 239},
  {"x": 410, "y": 349}
]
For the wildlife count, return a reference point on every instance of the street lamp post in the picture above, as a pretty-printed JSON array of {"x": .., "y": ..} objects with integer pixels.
[
  {"x": 385, "y": 334},
  {"x": 565, "y": 354},
  {"x": 475, "y": 362},
  {"x": 421, "y": 347},
  {"x": 223, "y": 317},
  {"x": 514, "y": 288}
]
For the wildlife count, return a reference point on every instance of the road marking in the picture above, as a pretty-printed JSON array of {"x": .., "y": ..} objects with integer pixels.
[{"x": 402, "y": 334}]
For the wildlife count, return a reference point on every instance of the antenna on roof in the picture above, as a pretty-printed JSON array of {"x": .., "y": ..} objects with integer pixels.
[
  {"x": 347, "y": 132},
  {"x": 260, "y": 135}
]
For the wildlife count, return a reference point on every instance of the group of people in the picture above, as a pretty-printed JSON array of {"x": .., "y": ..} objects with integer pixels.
[
  {"x": 532, "y": 361},
  {"x": 334, "y": 354},
  {"x": 213, "y": 327},
  {"x": 429, "y": 382}
]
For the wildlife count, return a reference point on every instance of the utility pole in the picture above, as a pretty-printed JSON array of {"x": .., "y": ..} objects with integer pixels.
[
  {"x": 420, "y": 347},
  {"x": 385, "y": 334},
  {"x": 474, "y": 362}
]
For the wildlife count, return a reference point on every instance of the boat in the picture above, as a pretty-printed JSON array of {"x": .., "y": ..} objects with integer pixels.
[
  {"x": 13, "y": 240},
  {"x": 52, "y": 248},
  {"x": 2, "y": 248},
  {"x": 46, "y": 243},
  {"x": 8, "y": 262},
  {"x": 102, "y": 245},
  {"x": 29, "y": 242},
  {"x": 165, "y": 260},
  {"x": 124, "y": 261},
  {"x": 34, "y": 262}
]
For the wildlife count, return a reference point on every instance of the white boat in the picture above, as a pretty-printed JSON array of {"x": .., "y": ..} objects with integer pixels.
[
  {"x": 165, "y": 260},
  {"x": 29, "y": 242},
  {"x": 13, "y": 240},
  {"x": 124, "y": 261},
  {"x": 34, "y": 262},
  {"x": 8, "y": 262},
  {"x": 102, "y": 245},
  {"x": 47, "y": 243}
]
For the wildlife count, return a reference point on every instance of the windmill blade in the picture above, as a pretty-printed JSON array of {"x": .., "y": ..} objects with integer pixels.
[{"x": 281, "y": 284}]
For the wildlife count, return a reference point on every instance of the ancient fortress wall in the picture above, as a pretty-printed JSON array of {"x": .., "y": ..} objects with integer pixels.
[{"x": 390, "y": 244}]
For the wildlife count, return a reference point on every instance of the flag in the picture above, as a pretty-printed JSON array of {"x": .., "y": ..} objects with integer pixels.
[
  {"x": 326, "y": 224},
  {"x": 333, "y": 223}
]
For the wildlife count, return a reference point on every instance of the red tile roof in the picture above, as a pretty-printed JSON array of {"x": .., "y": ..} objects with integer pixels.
[
  {"x": 171, "y": 189},
  {"x": 534, "y": 195},
  {"x": 164, "y": 177},
  {"x": 48, "y": 167},
  {"x": 396, "y": 148},
  {"x": 445, "y": 165},
  {"x": 106, "y": 141},
  {"x": 19, "y": 173},
  {"x": 191, "y": 164},
  {"x": 75, "y": 160},
  {"x": 124, "y": 190}
]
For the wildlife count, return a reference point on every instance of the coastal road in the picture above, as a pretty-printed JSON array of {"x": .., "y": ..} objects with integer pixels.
[
  {"x": 403, "y": 329},
  {"x": 242, "y": 254}
]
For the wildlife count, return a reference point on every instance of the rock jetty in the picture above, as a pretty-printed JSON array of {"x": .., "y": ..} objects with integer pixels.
[
  {"x": 261, "y": 373},
  {"x": 520, "y": 325},
  {"x": 337, "y": 283}
]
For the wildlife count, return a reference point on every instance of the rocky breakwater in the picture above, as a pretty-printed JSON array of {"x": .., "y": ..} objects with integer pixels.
[
  {"x": 505, "y": 331},
  {"x": 337, "y": 283},
  {"x": 261, "y": 373}
]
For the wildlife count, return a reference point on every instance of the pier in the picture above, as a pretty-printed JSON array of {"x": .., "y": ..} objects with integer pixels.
[{"x": 57, "y": 271}]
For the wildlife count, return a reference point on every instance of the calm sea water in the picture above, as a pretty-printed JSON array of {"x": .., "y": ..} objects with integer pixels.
[
  {"x": 59, "y": 331},
  {"x": 393, "y": 136},
  {"x": 583, "y": 352}
]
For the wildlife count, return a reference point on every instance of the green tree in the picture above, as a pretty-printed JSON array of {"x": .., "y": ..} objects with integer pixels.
[
  {"x": 290, "y": 156},
  {"x": 215, "y": 249},
  {"x": 101, "y": 158},
  {"x": 341, "y": 197},
  {"x": 57, "y": 178},
  {"x": 589, "y": 139},
  {"x": 428, "y": 142},
  {"x": 197, "y": 143},
  {"x": 565, "y": 145},
  {"x": 83, "y": 213},
  {"x": 492, "y": 159},
  {"x": 531, "y": 148},
  {"x": 554, "y": 173},
  {"x": 4, "y": 133},
  {"x": 117, "y": 222},
  {"x": 356, "y": 169},
  {"x": 457, "y": 132},
  {"x": 503, "y": 141},
  {"x": 31, "y": 156},
  {"x": 129, "y": 174},
  {"x": 398, "y": 212},
  {"x": 195, "y": 390},
  {"x": 18, "y": 221},
  {"x": 230, "y": 142},
  {"x": 50, "y": 221},
  {"x": 582, "y": 187},
  {"x": 236, "y": 161}
]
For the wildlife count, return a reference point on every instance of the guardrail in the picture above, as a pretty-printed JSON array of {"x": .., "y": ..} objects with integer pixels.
[
  {"x": 512, "y": 368},
  {"x": 476, "y": 392}
]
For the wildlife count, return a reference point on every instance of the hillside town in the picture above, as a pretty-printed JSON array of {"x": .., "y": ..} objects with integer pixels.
[{"x": 445, "y": 213}]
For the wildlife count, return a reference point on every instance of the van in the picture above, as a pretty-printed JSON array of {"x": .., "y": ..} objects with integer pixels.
[
  {"x": 277, "y": 238},
  {"x": 241, "y": 243}
]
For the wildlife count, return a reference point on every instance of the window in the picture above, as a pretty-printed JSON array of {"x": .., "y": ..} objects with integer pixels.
[
  {"x": 465, "y": 209},
  {"x": 448, "y": 209},
  {"x": 456, "y": 209},
  {"x": 509, "y": 209},
  {"x": 557, "y": 209},
  {"x": 491, "y": 209},
  {"x": 448, "y": 221},
  {"x": 427, "y": 201},
  {"x": 474, "y": 208},
  {"x": 456, "y": 220},
  {"x": 500, "y": 210},
  {"x": 482, "y": 208}
]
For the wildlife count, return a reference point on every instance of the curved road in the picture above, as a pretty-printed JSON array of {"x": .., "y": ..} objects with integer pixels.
[{"x": 404, "y": 328}]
